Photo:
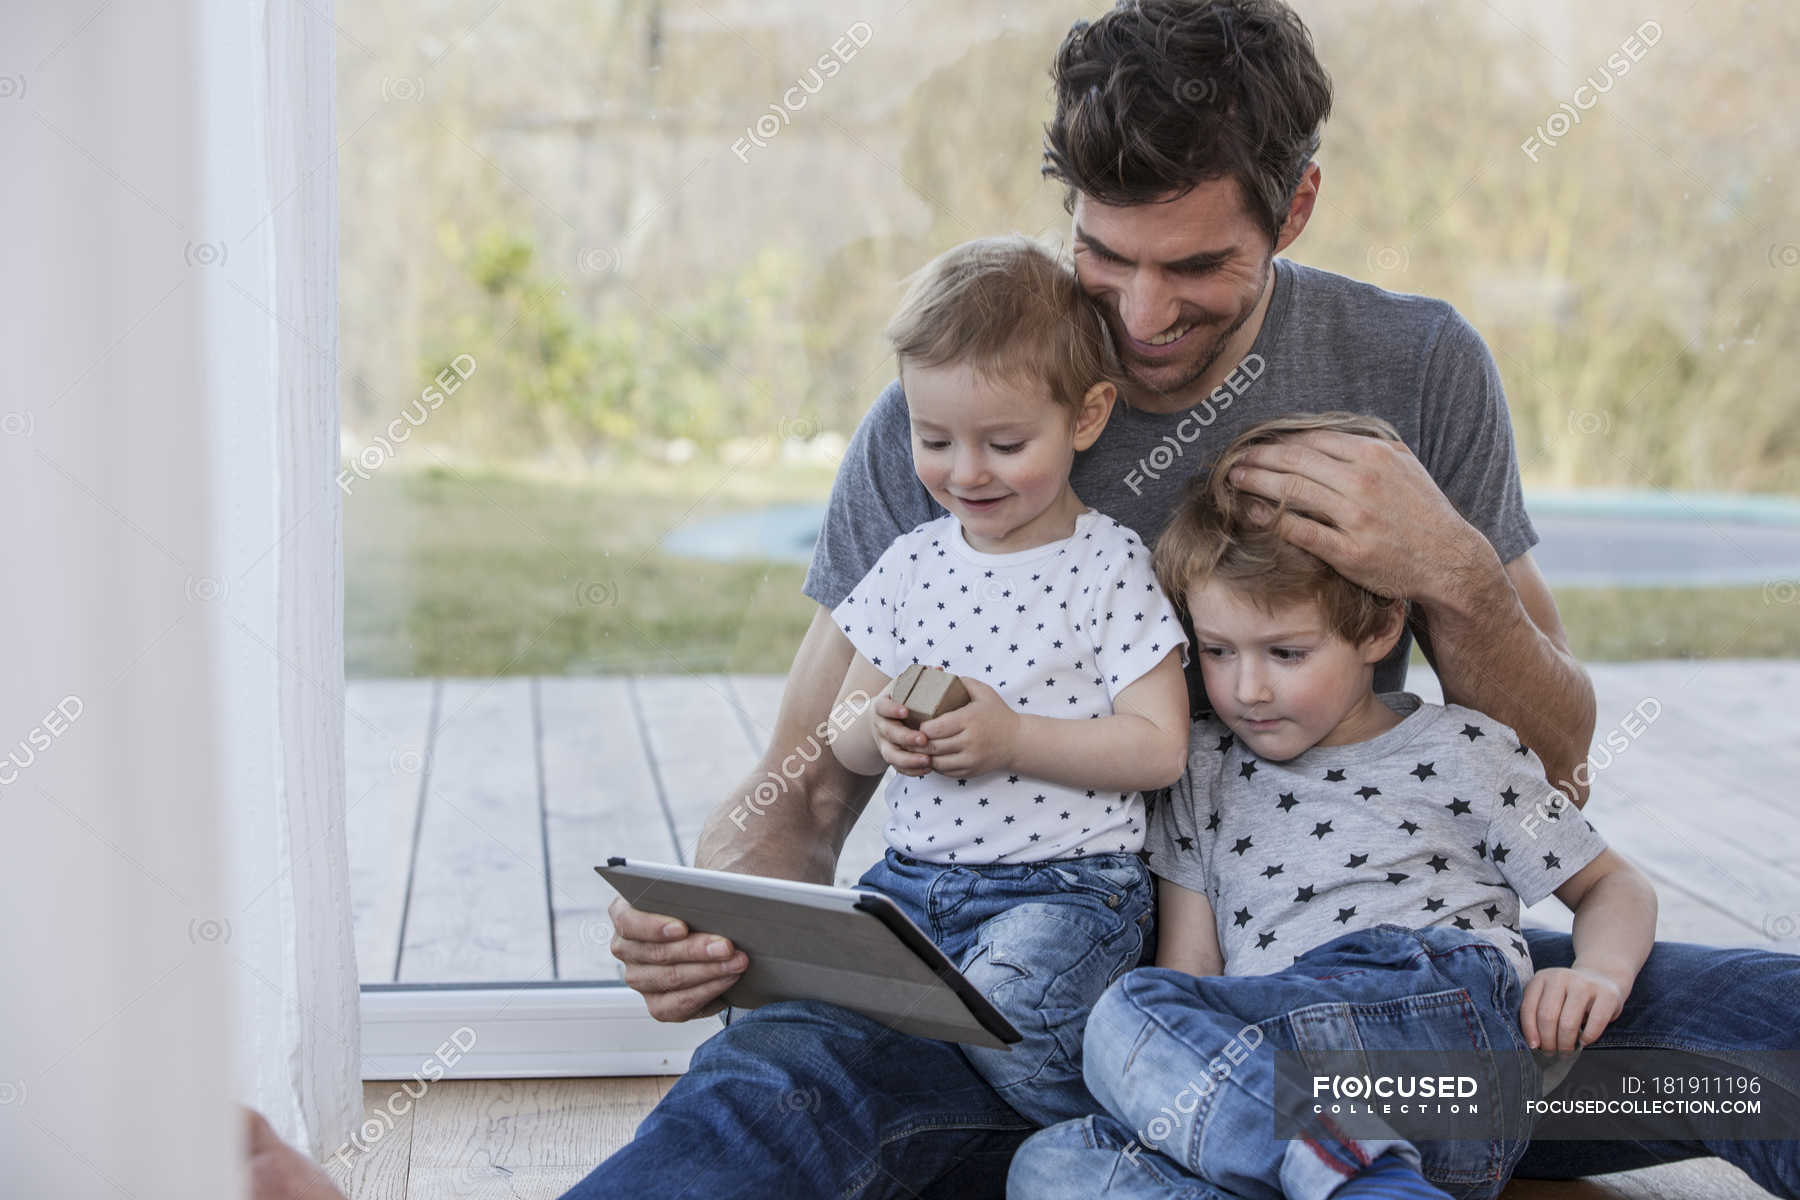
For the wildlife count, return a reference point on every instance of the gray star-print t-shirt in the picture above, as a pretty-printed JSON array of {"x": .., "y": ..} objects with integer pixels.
[
  {"x": 1058, "y": 630},
  {"x": 1445, "y": 819}
]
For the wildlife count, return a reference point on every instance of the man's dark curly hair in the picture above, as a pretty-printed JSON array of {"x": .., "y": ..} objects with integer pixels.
[{"x": 1158, "y": 96}]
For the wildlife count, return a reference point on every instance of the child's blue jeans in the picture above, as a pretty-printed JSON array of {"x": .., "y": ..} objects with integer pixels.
[
  {"x": 1189, "y": 1088},
  {"x": 1041, "y": 941}
]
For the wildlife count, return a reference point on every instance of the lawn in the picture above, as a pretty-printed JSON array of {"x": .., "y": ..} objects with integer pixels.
[{"x": 473, "y": 571}]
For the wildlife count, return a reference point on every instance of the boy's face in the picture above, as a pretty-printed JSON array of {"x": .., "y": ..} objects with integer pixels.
[
  {"x": 1283, "y": 682},
  {"x": 995, "y": 453}
]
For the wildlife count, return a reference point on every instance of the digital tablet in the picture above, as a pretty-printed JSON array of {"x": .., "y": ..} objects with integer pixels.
[{"x": 844, "y": 946}]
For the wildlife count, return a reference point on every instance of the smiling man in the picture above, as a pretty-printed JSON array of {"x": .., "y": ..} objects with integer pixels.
[{"x": 1184, "y": 135}]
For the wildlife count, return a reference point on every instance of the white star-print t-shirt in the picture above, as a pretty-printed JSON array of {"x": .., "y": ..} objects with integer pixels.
[
  {"x": 1445, "y": 819},
  {"x": 1058, "y": 630}
]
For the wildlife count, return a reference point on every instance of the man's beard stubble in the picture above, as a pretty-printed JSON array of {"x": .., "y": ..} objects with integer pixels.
[{"x": 1208, "y": 357}]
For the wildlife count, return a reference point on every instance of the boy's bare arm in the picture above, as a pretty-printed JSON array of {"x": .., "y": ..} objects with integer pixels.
[
  {"x": 1187, "y": 939},
  {"x": 794, "y": 835},
  {"x": 856, "y": 747},
  {"x": 1142, "y": 746},
  {"x": 1615, "y": 918},
  {"x": 1615, "y": 927}
]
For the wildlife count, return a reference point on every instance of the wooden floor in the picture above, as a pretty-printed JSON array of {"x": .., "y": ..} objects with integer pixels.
[
  {"x": 533, "y": 1139},
  {"x": 478, "y": 808}
]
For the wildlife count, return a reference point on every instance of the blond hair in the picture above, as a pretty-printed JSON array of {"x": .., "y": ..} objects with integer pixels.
[
  {"x": 1011, "y": 310},
  {"x": 1211, "y": 537}
]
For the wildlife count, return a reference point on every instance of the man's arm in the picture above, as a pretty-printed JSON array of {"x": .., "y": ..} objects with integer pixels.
[
  {"x": 797, "y": 835},
  {"x": 1493, "y": 635}
]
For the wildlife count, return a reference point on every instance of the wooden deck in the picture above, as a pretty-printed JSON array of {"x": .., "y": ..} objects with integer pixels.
[
  {"x": 533, "y": 1139},
  {"x": 478, "y": 807}
]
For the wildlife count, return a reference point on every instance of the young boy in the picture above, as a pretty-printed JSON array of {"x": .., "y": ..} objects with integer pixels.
[
  {"x": 1341, "y": 871},
  {"x": 1016, "y": 824}
]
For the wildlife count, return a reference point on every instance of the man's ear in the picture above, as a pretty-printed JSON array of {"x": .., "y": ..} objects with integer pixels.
[
  {"x": 1096, "y": 408},
  {"x": 1300, "y": 208},
  {"x": 1379, "y": 645}
]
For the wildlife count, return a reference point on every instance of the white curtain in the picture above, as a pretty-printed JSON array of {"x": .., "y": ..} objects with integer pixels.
[{"x": 172, "y": 862}]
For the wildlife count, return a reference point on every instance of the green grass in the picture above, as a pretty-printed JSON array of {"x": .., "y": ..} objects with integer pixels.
[{"x": 486, "y": 572}]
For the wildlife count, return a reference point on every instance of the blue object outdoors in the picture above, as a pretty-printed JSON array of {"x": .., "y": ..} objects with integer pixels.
[{"x": 1589, "y": 539}]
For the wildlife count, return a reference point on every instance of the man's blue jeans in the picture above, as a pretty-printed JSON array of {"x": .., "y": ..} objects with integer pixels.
[
  {"x": 797, "y": 1100},
  {"x": 1190, "y": 1064}
]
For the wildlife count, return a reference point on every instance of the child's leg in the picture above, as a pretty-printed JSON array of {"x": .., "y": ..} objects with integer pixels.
[
  {"x": 1097, "y": 1158},
  {"x": 1050, "y": 938},
  {"x": 1189, "y": 1064}
]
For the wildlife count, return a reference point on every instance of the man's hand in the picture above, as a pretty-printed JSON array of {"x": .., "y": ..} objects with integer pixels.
[
  {"x": 1366, "y": 506},
  {"x": 681, "y": 975},
  {"x": 1566, "y": 1004},
  {"x": 981, "y": 736}
]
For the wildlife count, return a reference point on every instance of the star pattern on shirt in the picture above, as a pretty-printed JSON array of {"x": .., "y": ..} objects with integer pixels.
[
  {"x": 1254, "y": 925},
  {"x": 934, "y": 590}
]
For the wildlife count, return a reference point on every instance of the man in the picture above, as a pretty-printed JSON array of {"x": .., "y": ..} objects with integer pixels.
[{"x": 1184, "y": 133}]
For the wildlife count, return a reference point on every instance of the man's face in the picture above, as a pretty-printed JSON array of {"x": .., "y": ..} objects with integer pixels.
[
  {"x": 1283, "y": 681},
  {"x": 1175, "y": 279}
]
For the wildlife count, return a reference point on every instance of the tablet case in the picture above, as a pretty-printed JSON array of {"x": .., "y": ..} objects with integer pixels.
[{"x": 843, "y": 946}]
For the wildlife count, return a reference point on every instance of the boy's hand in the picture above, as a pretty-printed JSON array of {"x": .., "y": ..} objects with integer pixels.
[
  {"x": 901, "y": 746},
  {"x": 1566, "y": 1004},
  {"x": 979, "y": 737}
]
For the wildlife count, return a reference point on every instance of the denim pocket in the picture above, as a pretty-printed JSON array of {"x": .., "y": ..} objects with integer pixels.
[
  {"x": 1119, "y": 881},
  {"x": 1448, "y": 1020}
]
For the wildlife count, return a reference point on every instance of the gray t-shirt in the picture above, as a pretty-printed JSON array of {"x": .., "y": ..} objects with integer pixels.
[
  {"x": 1327, "y": 342},
  {"x": 1445, "y": 819}
]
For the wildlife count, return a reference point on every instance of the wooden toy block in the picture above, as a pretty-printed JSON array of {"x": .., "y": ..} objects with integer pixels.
[{"x": 927, "y": 692}]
